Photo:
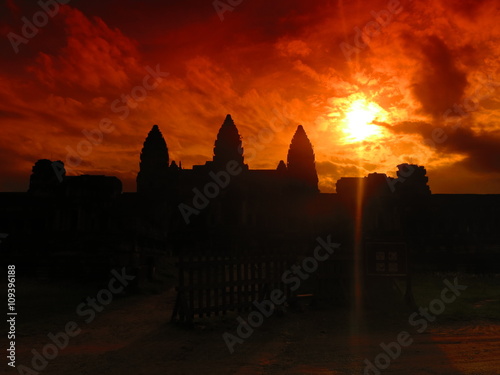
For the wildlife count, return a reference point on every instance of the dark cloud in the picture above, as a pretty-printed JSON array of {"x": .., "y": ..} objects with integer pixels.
[
  {"x": 468, "y": 8},
  {"x": 481, "y": 149},
  {"x": 439, "y": 84},
  {"x": 422, "y": 128},
  {"x": 5, "y": 114}
]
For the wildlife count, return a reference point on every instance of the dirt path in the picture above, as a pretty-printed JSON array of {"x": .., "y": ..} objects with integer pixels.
[{"x": 133, "y": 336}]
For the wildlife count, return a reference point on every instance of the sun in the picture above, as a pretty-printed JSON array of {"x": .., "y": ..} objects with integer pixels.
[{"x": 358, "y": 121}]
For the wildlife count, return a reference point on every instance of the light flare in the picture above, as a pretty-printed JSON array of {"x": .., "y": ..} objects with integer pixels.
[{"x": 358, "y": 121}]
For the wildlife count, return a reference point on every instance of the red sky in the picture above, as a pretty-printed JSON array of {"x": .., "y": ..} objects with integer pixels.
[{"x": 431, "y": 70}]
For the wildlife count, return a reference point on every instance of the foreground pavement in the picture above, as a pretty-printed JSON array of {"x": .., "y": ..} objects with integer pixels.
[{"x": 133, "y": 336}]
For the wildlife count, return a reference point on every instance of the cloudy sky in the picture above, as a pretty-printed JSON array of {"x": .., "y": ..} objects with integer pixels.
[{"x": 374, "y": 83}]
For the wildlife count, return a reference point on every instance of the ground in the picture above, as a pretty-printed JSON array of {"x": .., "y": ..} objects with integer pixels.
[{"x": 133, "y": 335}]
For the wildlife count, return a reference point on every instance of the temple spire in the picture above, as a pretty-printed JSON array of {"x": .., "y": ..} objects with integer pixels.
[
  {"x": 301, "y": 164},
  {"x": 281, "y": 168},
  {"x": 228, "y": 144},
  {"x": 154, "y": 165}
]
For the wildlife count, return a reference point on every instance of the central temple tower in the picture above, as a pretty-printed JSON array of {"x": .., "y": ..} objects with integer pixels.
[
  {"x": 301, "y": 164},
  {"x": 227, "y": 145},
  {"x": 153, "y": 176}
]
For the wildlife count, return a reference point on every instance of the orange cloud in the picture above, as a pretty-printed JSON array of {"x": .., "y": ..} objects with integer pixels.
[{"x": 272, "y": 65}]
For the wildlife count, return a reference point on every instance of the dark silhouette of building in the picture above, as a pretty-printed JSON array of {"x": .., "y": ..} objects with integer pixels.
[
  {"x": 87, "y": 223},
  {"x": 154, "y": 173},
  {"x": 301, "y": 166},
  {"x": 44, "y": 179},
  {"x": 228, "y": 145}
]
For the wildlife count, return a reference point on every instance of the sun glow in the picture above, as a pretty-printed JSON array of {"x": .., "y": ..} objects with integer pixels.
[{"x": 358, "y": 121}]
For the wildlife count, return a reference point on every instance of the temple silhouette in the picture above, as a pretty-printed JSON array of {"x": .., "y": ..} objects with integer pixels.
[{"x": 85, "y": 225}]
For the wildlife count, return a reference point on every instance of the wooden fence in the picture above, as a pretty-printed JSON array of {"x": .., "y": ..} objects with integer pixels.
[{"x": 211, "y": 284}]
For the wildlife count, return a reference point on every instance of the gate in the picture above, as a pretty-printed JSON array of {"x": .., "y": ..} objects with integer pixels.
[{"x": 213, "y": 284}]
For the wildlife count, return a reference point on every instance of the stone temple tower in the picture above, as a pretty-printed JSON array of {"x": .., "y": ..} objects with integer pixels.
[
  {"x": 153, "y": 176},
  {"x": 301, "y": 166},
  {"x": 227, "y": 145}
]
